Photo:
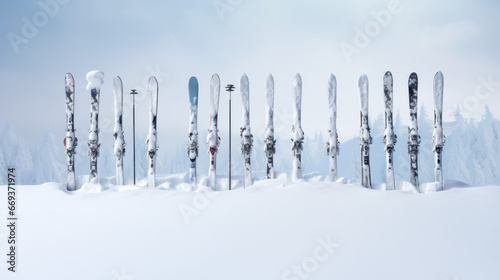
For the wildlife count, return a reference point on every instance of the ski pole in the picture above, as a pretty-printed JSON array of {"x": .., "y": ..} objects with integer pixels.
[
  {"x": 230, "y": 88},
  {"x": 134, "y": 92}
]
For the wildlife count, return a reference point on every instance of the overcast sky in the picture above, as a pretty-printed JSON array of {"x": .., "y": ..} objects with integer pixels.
[{"x": 174, "y": 40}]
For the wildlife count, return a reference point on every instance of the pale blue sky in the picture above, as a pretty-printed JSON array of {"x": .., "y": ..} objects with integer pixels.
[{"x": 178, "y": 39}]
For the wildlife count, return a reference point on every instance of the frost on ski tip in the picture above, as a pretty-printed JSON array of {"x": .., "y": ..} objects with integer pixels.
[{"x": 95, "y": 79}]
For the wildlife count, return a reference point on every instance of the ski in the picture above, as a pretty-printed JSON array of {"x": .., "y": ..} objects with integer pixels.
[
  {"x": 70, "y": 141},
  {"x": 119, "y": 148},
  {"x": 95, "y": 80},
  {"x": 438, "y": 137},
  {"x": 365, "y": 137},
  {"x": 213, "y": 139},
  {"x": 413, "y": 137},
  {"x": 270, "y": 147},
  {"x": 332, "y": 146},
  {"x": 297, "y": 133},
  {"x": 245, "y": 132},
  {"x": 390, "y": 137},
  {"x": 192, "y": 145},
  {"x": 152, "y": 141}
]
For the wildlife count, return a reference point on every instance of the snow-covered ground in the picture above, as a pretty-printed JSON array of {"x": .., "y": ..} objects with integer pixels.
[{"x": 273, "y": 230}]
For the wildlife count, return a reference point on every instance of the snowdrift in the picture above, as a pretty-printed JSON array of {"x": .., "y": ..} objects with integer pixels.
[{"x": 273, "y": 230}]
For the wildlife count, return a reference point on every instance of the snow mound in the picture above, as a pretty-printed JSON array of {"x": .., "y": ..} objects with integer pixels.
[
  {"x": 333, "y": 227},
  {"x": 95, "y": 79}
]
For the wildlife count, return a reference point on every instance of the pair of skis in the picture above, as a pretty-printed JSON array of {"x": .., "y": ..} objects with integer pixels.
[
  {"x": 151, "y": 141},
  {"x": 213, "y": 139},
  {"x": 95, "y": 80},
  {"x": 438, "y": 137}
]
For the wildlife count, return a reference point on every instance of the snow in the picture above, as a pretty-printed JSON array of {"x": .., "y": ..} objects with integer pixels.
[
  {"x": 95, "y": 79},
  {"x": 272, "y": 230},
  {"x": 118, "y": 147},
  {"x": 212, "y": 140}
]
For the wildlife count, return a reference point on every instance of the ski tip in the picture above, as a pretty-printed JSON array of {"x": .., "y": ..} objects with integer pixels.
[
  {"x": 70, "y": 81},
  {"x": 413, "y": 76},
  {"x": 244, "y": 79},
  {"x": 193, "y": 81},
  {"x": 215, "y": 77},
  {"x": 388, "y": 80},
  {"x": 332, "y": 81},
  {"x": 95, "y": 79},
  {"x": 117, "y": 81},
  {"x": 332, "y": 78},
  {"x": 270, "y": 81},
  {"x": 438, "y": 84},
  {"x": 297, "y": 81},
  {"x": 439, "y": 75},
  {"x": 153, "y": 80},
  {"x": 413, "y": 80},
  {"x": 193, "y": 86},
  {"x": 363, "y": 81}
]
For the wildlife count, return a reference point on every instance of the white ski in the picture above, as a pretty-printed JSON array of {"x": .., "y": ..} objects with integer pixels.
[
  {"x": 438, "y": 137},
  {"x": 413, "y": 137},
  {"x": 213, "y": 139},
  {"x": 269, "y": 148},
  {"x": 332, "y": 146},
  {"x": 245, "y": 132},
  {"x": 297, "y": 133},
  {"x": 95, "y": 80},
  {"x": 152, "y": 141},
  {"x": 365, "y": 137},
  {"x": 389, "y": 137},
  {"x": 70, "y": 140},
  {"x": 119, "y": 148},
  {"x": 192, "y": 145}
]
